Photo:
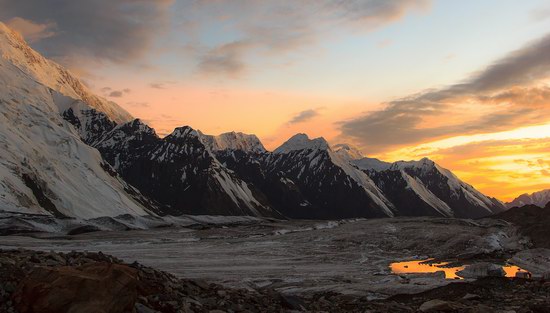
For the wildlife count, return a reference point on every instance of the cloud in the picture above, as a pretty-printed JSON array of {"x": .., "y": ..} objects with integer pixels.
[
  {"x": 275, "y": 27},
  {"x": 508, "y": 90},
  {"x": 138, "y": 104},
  {"x": 161, "y": 85},
  {"x": 227, "y": 59},
  {"x": 32, "y": 31},
  {"x": 116, "y": 94},
  {"x": 117, "y": 31},
  {"x": 304, "y": 116}
]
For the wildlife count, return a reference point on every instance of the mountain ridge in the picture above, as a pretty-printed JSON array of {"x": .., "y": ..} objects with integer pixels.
[{"x": 189, "y": 172}]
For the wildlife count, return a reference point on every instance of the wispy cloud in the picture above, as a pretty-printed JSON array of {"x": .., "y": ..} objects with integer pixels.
[
  {"x": 304, "y": 116},
  {"x": 30, "y": 30},
  {"x": 509, "y": 91},
  {"x": 227, "y": 59},
  {"x": 276, "y": 27}
]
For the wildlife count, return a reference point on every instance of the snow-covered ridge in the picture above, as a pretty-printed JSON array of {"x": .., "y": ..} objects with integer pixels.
[
  {"x": 233, "y": 141},
  {"x": 302, "y": 142},
  {"x": 50, "y": 74},
  {"x": 347, "y": 152},
  {"x": 371, "y": 164},
  {"x": 45, "y": 167},
  {"x": 539, "y": 198}
]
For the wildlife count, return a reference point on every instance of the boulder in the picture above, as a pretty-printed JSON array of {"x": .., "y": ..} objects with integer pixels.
[
  {"x": 484, "y": 269},
  {"x": 96, "y": 287},
  {"x": 536, "y": 261}
]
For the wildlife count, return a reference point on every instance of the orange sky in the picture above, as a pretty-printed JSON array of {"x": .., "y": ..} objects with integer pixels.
[{"x": 461, "y": 82}]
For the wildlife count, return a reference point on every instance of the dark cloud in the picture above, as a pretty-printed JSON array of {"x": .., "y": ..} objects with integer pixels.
[
  {"x": 106, "y": 89},
  {"x": 100, "y": 29},
  {"x": 304, "y": 116},
  {"x": 403, "y": 121},
  {"x": 116, "y": 94}
]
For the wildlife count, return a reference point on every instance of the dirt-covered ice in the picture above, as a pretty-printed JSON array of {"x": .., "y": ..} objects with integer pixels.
[{"x": 349, "y": 257}]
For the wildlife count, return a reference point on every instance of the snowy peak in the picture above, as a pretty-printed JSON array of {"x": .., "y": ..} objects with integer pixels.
[
  {"x": 302, "y": 142},
  {"x": 371, "y": 164},
  {"x": 424, "y": 164},
  {"x": 14, "y": 49},
  {"x": 347, "y": 152},
  {"x": 182, "y": 132},
  {"x": 233, "y": 141},
  {"x": 539, "y": 198}
]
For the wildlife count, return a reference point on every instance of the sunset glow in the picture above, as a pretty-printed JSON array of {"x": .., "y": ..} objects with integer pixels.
[{"x": 463, "y": 83}]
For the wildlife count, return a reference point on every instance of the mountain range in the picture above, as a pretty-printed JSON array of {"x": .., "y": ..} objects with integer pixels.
[
  {"x": 69, "y": 153},
  {"x": 539, "y": 198}
]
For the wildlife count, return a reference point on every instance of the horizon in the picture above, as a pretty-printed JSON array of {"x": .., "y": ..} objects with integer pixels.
[{"x": 475, "y": 96}]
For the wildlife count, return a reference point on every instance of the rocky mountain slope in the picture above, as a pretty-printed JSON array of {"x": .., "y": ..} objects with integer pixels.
[
  {"x": 539, "y": 198},
  {"x": 179, "y": 171},
  {"x": 424, "y": 188},
  {"x": 44, "y": 166},
  {"x": 532, "y": 222},
  {"x": 418, "y": 188}
]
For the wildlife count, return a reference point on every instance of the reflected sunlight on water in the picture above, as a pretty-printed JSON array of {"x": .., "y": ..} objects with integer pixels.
[
  {"x": 421, "y": 266},
  {"x": 425, "y": 267}
]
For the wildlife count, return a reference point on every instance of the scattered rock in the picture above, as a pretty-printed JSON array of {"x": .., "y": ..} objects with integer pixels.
[
  {"x": 436, "y": 306},
  {"x": 292, "y": 302},
  {"x": 470, "y": 296},
  {"x": 484, "y": 269},
  {"x": 99, "y": 287}
]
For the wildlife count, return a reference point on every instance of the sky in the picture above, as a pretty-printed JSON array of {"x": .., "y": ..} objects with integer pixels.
[{"x": 465, "y": 83}]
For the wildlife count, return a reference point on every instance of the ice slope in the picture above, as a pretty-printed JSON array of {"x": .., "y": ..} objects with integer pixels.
[
  {"x": 44, "y": 166},
  {"x": 15, "y": 50}
]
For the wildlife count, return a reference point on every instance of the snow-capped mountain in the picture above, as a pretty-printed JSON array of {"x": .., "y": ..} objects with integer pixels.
[
  {"x": 179, "y": 171},
  {"x": 425, "y": 188},
  {"x": 233, "y": 141},
  {"x": 44, "y": 166},
  {"x": 539, "y": 198},
  {"x": 305, "y": 178},
  {"x": 347, "y": 152}
]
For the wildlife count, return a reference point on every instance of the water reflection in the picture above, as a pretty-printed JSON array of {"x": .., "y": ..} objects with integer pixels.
[
  {"x": 427, "y": 266},
  {"x": 424, "y": 267}
]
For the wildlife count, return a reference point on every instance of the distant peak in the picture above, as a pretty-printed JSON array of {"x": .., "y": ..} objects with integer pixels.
[
  {"x": 302, "y": 142},
  {"x": 233, "y": 141},
  {"x": 422, "y": 163},
  {"x": 183, "y": 131},
  {"x": 347, "y": 151}
]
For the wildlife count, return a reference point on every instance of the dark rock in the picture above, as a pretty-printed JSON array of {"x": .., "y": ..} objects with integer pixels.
[
  {"x": 96, "y": 287},
  {"x": 292, "y": 302},
  {"x": 82, "y": 230}
]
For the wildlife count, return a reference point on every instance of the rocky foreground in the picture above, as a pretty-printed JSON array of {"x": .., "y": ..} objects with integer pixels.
[{"x": 32, "y": 281}]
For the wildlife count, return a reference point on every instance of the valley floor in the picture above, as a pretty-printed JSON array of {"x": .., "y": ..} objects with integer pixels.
[{"x": 300, "y": 257}]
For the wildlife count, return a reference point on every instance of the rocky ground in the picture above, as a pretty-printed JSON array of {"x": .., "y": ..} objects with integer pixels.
[
  {"x": 273, "y": 266},
  {"x": 33, "y": 281},
  {"x": 299, "y": 257},
  {"x": 532, "y": 221}
]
